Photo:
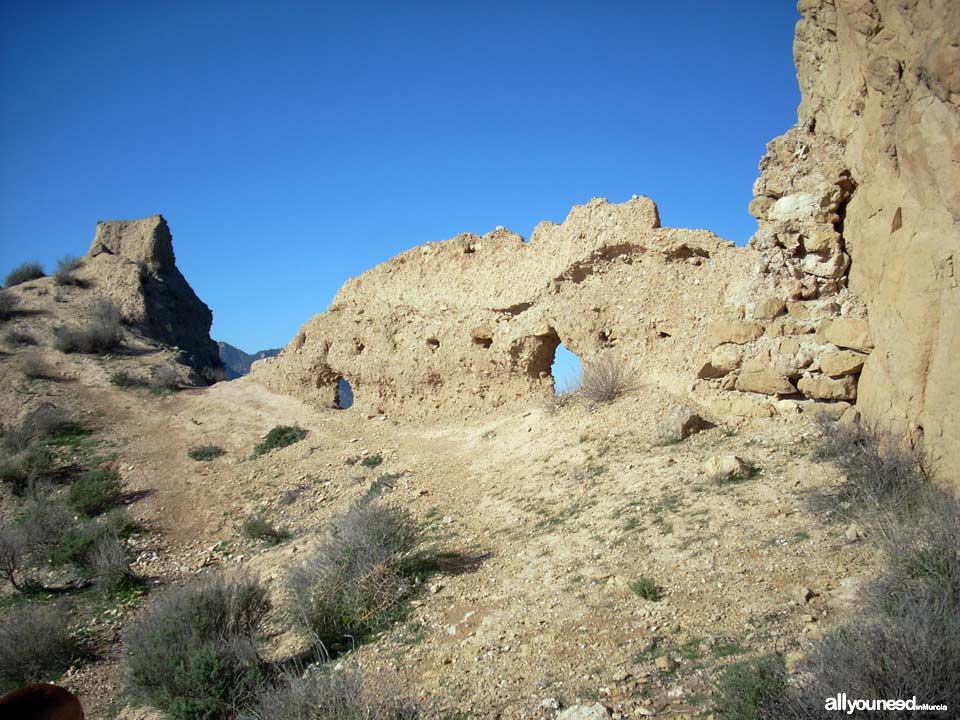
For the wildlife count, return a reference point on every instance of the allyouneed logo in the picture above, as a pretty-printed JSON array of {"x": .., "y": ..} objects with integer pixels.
[{"x": 841, "y": 703}]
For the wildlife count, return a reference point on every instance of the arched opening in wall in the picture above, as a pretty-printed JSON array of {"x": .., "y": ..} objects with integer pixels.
[
  {"x": 344, "y": 398},
  {"x": 567, "y": 371}
]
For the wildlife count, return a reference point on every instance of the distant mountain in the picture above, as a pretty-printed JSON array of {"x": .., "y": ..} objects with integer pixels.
[{"x": 237, "y": 363}]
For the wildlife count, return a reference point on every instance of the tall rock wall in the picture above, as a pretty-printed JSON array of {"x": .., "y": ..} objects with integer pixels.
[
  {"x": 861, "y": 200},
  {"x": 132, "y": 262}
]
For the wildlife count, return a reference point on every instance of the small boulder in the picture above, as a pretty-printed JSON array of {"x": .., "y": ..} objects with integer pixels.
[
  {"x": 665, "y": 663},
  {"x": 828, "y": 388},
  {"x": 585, "y": 712},
  {"x": 847, "y": 333},
  {"x": 721, "y": 468},
  {"x": 738, "y": 332},
  {"x": 679, "y": 424},
  {"x": 756, "y": 376},
  {"x": 838, "y": 363},
  {"x": 769, "y": 308}
]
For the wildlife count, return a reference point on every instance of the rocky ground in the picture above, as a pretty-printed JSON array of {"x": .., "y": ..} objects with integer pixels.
[{"x": 548, "y": 517}]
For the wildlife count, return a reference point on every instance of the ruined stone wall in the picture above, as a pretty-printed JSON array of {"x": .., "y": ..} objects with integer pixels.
[
  {"x": 133, "y": 264},
  {"x": 860, "y": 201}
]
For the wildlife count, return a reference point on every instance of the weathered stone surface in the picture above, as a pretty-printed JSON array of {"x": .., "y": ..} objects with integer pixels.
[
  {"x": 870, "y": 171},
  {"x": 132, "y": 262},
  {"x": 473, "y": 322},
  {"x": 732, "y": 331},
  {"x": 585, "y": 712},
  {"x": 769, "y": 308},
  {"x": 680, "y": 423},
  {"x": 822, "y": 387},
  {"x": 756, "y": 376},
  {"x": 841, "y": 362},
  {"x": 847, "y": 333}
]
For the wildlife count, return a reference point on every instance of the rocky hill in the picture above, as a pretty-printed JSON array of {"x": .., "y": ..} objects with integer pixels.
[{"x": 236, "y": 362}]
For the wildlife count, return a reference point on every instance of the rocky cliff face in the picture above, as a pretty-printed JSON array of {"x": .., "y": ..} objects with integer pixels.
[
  {"x": 132, "y": 263},
  {"x": 863, "y": 195},
  {"x": 236, "y": 362}
]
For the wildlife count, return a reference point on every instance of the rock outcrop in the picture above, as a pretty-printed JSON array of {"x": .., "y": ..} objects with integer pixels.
[
  {"x": 860, "y": 201},
  {"x": 132, "y": 263},
  {"x": 237, "y": 363}
]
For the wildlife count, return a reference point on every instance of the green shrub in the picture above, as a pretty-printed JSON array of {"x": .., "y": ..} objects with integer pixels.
[
  {"x": 66, "y": 267},
  {"x": 96, "y": 491},
  {"x": 19, "y": 338},
  {"x": 101, "y": 334},
  {"x": 124, "y": 379},
  {"x": 258, "y": 527},
  {"x": 355, "y": 581},
  {"x": 38, "y": 426},
  {"x": 26, "y": 272},
  {"x": 752, "y": 690},
  {"x": 279, "y": 437},
  {"x": 8, "y": 305},
  {"x": 205, "y": 453},
  {"x": 372, "y": 461},
  {"x": 345, "y": 695},
  {"x": 193, "y": 652},
  {"x": 35, "y": 645},
  {"x": 77, "y": 541},
  {"x": 647, "y": 588}
]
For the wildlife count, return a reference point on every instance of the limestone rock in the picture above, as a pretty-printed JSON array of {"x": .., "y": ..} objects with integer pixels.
[
  {"x": 847, "y": 333},
  {"x": 769, "y": 308},
  {"x": 732, "y": 331},
  {"x": 585, "y": 712},
  {"x": 132, "y": 262},
  {"x": 720, "y": 468},
  {"x": 822, "y": 387},
  {"x": 756, "y": 376},
  {"x": 841, "y": 362},
  {"x": 679, "y": 424}
]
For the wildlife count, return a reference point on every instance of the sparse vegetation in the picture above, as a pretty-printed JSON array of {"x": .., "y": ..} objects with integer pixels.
[
  {"x": 96, "y": 491},
  {"x": 109, "y": 560},
  {"x": 24, "y": 273},
  {"x": 164, "y": 380},
  {"x": 33, "y": 366},
  {"x": 905, "y": 640},
  {"x": 23, "y": 468},
  {"x": 334, "y": 695},
  {"x": 101, "y": 334},
  {"x": 66, "y": 267},
  {"x": 205, "y": 453},
  {"x": 355, "y": 581},
  {"x": 19, "y": 338},
  {"x": 605, "y": 379},
  {"x": 35, "y": 645},
  {"x": 124, "y": 379},
  {"x": 372, "y": 461},
  {"x": 14, "y": 546},
  {"x": 193, "y": 653},
  {"x": 647, "y": 588},
  {"x": 279, "y": 437},
  {"x": 258, "y": 527},
  {"x": 8, "y": 305},
  {"x": 752, "y": 689}
]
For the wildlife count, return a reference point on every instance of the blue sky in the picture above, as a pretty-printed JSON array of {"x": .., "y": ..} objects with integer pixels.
[{"x": 292, "y": 145}]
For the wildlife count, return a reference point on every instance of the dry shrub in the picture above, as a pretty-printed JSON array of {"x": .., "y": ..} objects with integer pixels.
[
  {"x": 8, "y": 305},
  {"x": 35, "y": 645},
  {"x": 35, "y": 367},
  {"x": 101, "y": 334},
  {"x": 66, "y": 267},
  {"x": 337, "y": 695},
  {"x": 605, "y": 379},
  {"x": 355, "y": 581},
  {"x": 14, "y": 549},
  {"x": 193, "y": 653}
]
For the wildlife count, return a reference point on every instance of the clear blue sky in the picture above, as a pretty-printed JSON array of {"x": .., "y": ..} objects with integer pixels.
[{"x": 292, "y": 145}]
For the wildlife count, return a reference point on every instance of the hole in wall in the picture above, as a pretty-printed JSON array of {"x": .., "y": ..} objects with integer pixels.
[
  {"x": 566, "y": 369},
  {"x": 344, "y": 394}
]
